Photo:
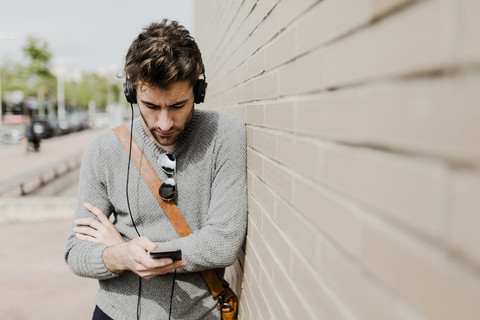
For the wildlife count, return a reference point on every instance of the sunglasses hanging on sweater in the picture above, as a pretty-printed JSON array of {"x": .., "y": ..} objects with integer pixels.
[{"x": 168, "y": 163}]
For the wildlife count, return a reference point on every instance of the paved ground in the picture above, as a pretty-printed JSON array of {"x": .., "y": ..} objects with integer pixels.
[
  {"x": 16, "y": 160},
  {"x": 35, "y": 282}
]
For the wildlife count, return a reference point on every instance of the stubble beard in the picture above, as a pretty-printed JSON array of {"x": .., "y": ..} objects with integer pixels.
[{"x": 171, "y": 140}]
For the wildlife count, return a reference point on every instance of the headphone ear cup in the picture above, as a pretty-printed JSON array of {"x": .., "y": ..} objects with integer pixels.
[
  {"x": 129, "y": 91},
  {"x": 200, "y": 90}
]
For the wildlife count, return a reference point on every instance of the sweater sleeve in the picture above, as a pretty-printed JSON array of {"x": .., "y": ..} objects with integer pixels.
[
  {"x": 85, "y": 258},
  {"x": 217, "y": 243}
]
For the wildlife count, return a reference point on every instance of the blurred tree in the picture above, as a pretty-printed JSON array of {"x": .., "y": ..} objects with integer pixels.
[
  {"x": 36, "y": 78},
  {"x": 41, "y": 78},
  {"x": 91, "y": 87}
]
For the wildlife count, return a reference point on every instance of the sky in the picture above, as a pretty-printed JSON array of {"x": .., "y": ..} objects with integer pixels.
[{"x": 86, "y": 35}]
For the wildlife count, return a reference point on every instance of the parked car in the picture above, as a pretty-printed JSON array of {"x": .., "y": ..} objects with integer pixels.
[{"x": 46, "y": 128}]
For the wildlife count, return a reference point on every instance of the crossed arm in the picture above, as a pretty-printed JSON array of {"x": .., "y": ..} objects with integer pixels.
[{"x": 121, "y": 255}]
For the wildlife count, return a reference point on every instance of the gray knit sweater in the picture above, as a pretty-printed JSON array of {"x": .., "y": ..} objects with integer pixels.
[{"x": 211, "y": 195}]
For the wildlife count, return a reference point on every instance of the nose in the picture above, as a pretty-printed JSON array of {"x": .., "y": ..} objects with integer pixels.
[{"x": 165, "y": 120}]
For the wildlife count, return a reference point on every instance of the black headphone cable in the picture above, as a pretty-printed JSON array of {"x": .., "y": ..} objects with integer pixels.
[
  {"x": 136, "y": 230},
  {"x": 130, "y": 211}
]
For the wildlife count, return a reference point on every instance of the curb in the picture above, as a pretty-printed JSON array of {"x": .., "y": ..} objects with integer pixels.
[{"x": 36, "y": 209}]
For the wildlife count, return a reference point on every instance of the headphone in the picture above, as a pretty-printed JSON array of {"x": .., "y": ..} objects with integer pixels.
[{"x": 199, "y": 90}]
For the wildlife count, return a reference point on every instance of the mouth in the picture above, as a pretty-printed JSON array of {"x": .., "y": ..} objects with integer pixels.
[{"x": 164, "y": 134}]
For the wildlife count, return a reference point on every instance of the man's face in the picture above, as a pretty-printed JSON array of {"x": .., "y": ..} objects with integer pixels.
[{"x": 166, "y": 112}]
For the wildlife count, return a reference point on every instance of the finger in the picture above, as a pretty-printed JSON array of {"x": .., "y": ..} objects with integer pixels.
[
  {"x": 146, "y": 244},
  {"x": 88, "y": 222},
  {"x": 86, "y": 231},
  {"x": 96, "y": 211},
  {"x": 85, "y": 238},
  {"x": 171, "y": 267}
]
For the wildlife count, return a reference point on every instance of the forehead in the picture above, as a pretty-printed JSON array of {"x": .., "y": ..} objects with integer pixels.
[{"x": 177, "y": 90}]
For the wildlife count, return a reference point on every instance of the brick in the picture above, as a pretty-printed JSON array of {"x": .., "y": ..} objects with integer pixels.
[
  {"x": 364, "y": 296},
  {"x": 280, "y": 116},
  {"x": 379, "y": 8},
  {"x": 258, "y": 296},
  {"x": 278, "y": 179},
  {"x": 302, "y": 75},
  {"x": 317, "y": 254},
  {"x": 240, "y": 16},
  {"x": 250, "y": 177},
  {"x": 264, "y": 197},
  {"x": 424, "y": 275},
  {"x": 301, "y": 155},
  {"x": 438, "y": 117},
  {"x": 245, "y": 52},
  {"x": 292, "y": 9},
  {"x": 316, "y": 293},
  {"x": 256, "y": 64},
  {"x": 277, "y": 308},
  {"x": 290, "y": 296},
  {"x": 412, "y": 191},
  {"x": 270, "y": 25},
  {"x": 247, "y": 91},
  {"x": 298, "y": 230},
  {"x": 266, "y": 256},
  {"x": 266, "y": 87},
  {"x": 255, "y": 212},
  {"x": 250, "y": 136},
  {"x": 263, "y": 251},
  {"x": 239, "y": 73},
  {"x": 329, "y": 20},
  {"x": 255, "y": 162},
  {"x": 275, "y": 240},
  {"x": 258, "y": 14},
  {"x": 243, "y": 310},
  {"x": 328, "y": 213},
  {"x": 417, "y": 46},
  {"x": 265, "y": 142},
  {"x": 255, "y": 114},
  {"x": 250, "y": 263},
  {"x": 238, "y": 111},
  {"x": 281, "y": 49},
  {"x": 469, "y": 25},
  {"x": 252, "y": 306},
  {"x": 325, "y": 115},
  {"x": 464, "y": 235}
]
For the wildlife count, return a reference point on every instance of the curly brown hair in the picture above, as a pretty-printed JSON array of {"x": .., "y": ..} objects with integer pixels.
[{"x": 163, "y": 54}]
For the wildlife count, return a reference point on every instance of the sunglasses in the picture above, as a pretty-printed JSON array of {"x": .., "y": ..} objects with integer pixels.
[{"x": 168, "y": 163}]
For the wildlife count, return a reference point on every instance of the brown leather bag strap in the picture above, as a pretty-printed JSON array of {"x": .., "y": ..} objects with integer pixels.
[{"x": 170, "y": 208}]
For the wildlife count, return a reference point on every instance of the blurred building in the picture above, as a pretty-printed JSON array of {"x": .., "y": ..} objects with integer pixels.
[{"x": 363, "y": 154}]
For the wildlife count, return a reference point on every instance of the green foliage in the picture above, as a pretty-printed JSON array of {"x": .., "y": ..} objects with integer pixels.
[
  {"x": 91, "y": 87},
  {"x": 39, "y": 55},
  {"x": 36, "y": 78}
]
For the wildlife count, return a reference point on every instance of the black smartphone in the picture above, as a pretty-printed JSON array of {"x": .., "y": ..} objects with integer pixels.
[{"x": 173, "y": 254}]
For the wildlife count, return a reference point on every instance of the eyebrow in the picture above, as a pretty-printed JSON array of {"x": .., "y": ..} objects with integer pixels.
[{"x": 172, "y": 105}]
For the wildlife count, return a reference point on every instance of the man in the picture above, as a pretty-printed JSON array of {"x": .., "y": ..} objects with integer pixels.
[{"x": 162, "y": 66}]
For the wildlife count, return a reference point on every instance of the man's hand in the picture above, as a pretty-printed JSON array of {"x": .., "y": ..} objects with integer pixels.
[
  {"x": 134, "y": 256},
  {"x": 102, "y": 231}
]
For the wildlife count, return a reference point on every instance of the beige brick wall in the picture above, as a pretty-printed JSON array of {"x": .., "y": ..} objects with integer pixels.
[{"x": 363, "y": 124}]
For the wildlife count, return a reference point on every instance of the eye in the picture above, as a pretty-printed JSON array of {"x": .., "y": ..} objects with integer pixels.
[
  {"x": 151, "y": 106},
  {"x": 178, "y": 106}
]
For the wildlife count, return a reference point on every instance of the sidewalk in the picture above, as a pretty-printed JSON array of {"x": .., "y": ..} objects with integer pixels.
[
  {"x": 35, "y": 281},
  {"x": 17, "y": 161}
]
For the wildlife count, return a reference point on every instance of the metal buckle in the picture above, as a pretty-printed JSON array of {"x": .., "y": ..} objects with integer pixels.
[{"x": 222, "y": 304}]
